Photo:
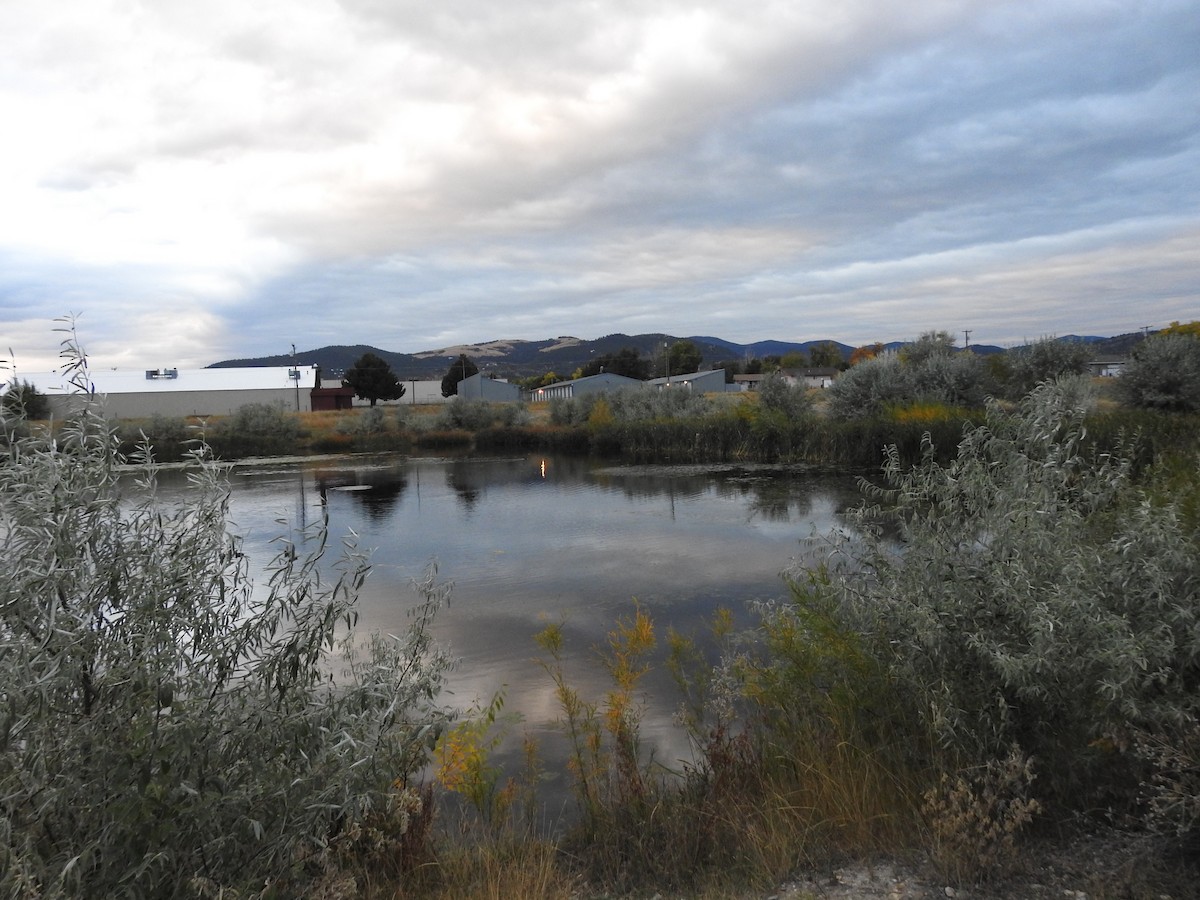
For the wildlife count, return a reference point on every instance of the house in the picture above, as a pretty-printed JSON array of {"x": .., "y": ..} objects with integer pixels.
[
  {"x": 1107, "y": 366},
  {"x": 807, "y": 378},
  {"x": 748, "y": 382},
  {"x": 815, "y": 377}
]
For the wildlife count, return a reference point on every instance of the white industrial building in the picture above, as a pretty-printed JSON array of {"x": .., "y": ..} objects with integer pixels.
[{"x": 129, "y": 394}]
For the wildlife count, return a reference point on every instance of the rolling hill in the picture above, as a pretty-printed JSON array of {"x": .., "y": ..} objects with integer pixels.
[{"x": 565, "y": 354}]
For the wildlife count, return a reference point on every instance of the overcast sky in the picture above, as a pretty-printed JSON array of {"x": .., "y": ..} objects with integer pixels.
[{"x": 203, "y": 181}]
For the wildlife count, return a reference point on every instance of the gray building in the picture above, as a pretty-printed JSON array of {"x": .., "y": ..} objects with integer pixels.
[
  {"x": 711, "y": 382},
  {"x": 483, "y": 387},
  {"x": 604, "y": 383}
]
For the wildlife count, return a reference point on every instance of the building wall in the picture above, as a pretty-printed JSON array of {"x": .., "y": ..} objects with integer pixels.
[
  {"x": 581, "y": 387},
  {"x": 480, "y": 387},
  {"x": 416, "y": 393},
  {"x": 134, "y": 405},
  {"x": 711, "y": 382}
]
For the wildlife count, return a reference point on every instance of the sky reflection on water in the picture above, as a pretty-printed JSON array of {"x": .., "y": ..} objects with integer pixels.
[{"x": 529, "y": 541}]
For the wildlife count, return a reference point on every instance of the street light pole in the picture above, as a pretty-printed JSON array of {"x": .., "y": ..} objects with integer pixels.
[{"x": 296, "y": 377}]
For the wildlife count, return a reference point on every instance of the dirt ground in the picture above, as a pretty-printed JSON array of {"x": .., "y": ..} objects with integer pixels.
[{"x": 1105, "y": 864}]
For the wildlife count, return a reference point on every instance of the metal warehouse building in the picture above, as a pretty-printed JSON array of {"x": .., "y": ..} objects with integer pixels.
[{"x": 184, "y": 392}]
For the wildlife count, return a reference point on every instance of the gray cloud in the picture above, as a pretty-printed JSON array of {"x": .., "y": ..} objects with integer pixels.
[{"x": 213, "y": 181}]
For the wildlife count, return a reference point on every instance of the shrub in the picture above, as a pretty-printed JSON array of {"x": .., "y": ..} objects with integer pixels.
[
  {"x": 370, "y": 429},
  {"x": 646, "y": 405},
  {"x": 256, "y": 429},
  {"x": 927, "y": 371},
  {"x": 632, "y": 405},
  {"x": 25, "y": 401},
  {"x": 1164, "y": 374},
  {"x": 475, "y": 415},
  {"x": 868, "y": 388},
  {"x": 775, "y": 394},
  {"x": 1042, "y": 598},
  {"x": 1024, "y": 368},
  {"x": 958, "y": 379},
  {"x": 572, "y": 410},
  {"x": 975, "y": 817},
  {"x": 166, "y": 727},
  {"x": 169, "y": 437}
]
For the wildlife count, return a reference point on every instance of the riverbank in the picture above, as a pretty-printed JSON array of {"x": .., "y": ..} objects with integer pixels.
[{"x": 1027, "y": 660}]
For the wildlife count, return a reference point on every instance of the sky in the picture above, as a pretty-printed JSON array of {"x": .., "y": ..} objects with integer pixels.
[{"x": 195, "y": 182}]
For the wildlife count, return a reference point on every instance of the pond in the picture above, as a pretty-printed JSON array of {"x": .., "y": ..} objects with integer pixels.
[{"x": 533, "y": 540}]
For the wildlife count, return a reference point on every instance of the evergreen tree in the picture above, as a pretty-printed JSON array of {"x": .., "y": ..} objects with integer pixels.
[
  {"x": 373, "y": 379},
  {"x": 628, "y": 362},
  {"x": 683, "y": 358},
  {"x": 459, "y": 369}
]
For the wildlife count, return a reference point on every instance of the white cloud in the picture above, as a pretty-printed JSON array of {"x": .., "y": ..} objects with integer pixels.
[{"x": 470, "y": 170}]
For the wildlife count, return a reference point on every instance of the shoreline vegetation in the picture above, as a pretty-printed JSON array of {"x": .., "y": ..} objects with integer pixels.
[
  {"x": 735, "y": 429},
  {"x": 1025, "y": 668}
]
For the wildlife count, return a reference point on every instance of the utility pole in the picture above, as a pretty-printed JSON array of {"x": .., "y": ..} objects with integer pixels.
[
  {"x": 296, "y": 377},
  {"x": 967, "y": 337}
]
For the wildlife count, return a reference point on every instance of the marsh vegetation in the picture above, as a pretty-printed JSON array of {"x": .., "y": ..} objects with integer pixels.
[{"x": 1010, "y": 648}]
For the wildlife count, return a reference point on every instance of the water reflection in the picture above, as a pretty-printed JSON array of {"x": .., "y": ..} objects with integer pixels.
[
  {"x": 376, "y": 488},
  {"x": 532, "y": 540}
]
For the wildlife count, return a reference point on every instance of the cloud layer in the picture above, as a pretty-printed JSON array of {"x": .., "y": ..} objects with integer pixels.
[{"x": 204, "y": 181}]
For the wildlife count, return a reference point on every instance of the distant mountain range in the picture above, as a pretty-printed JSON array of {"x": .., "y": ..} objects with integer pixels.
[{"x": 520, "y": 359}]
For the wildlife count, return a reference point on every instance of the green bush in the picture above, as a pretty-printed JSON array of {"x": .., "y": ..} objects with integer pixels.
[
  {"x": 370, "y": 429},
  {"x": 168, "y": 437},
  {"x": 21, "y": 399},
  {"x": 776, "y": 395},
  {"x": 475, "y": 415},
  {"x": 166, "y": 727},
  {"x": 1024, "y": 368},
  {"x": 927, "y": 372},
  {"x": 633, "y": 405},
  {"x": 1164, "y": 374},
  {"x": 1039, "y": 597},
  {"x": 958, "y": 379},
  {"x": 867, "y": 389},
  {"x": 572, "y": 410},
  {"x": 256, "y": 429}
]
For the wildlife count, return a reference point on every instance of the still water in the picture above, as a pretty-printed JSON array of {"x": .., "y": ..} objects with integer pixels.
[{"x": 532, "y": 540}]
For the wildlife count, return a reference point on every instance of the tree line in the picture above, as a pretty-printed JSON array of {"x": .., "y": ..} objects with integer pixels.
[{"x": 1163, "y": 372}]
